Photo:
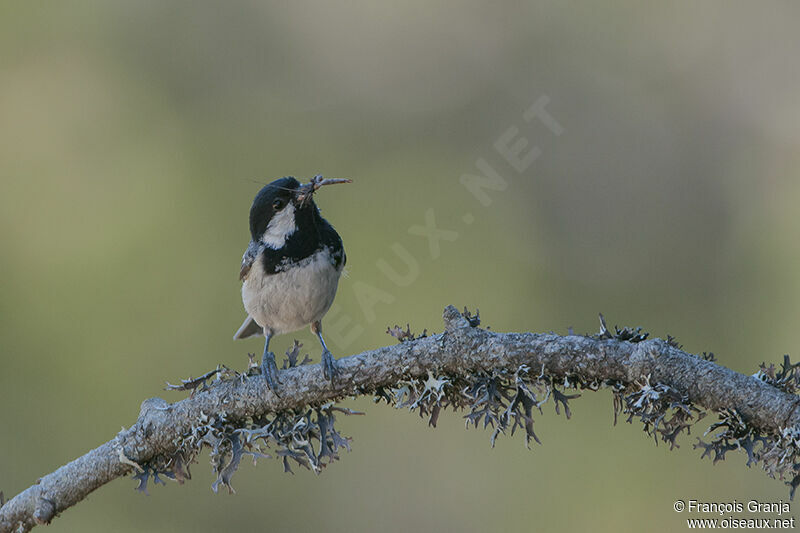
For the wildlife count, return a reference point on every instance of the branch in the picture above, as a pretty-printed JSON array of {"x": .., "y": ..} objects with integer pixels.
[{"x": 498, "y": 377}]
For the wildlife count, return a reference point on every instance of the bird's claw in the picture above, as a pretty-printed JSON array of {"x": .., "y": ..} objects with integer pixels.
[
  {"x": 270, "y": 371},
  {"x": 329, "y": 369}
]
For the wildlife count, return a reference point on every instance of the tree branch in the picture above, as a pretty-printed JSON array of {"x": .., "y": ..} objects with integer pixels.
[{"x": 496, "y": 376}]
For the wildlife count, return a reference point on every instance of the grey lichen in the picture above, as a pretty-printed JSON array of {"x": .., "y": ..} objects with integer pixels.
[
  {"x": 307, "y": 437},
  {"x": 663, "y": 411},
  {"x": 497, "y": 380},
  {"x": 500, "y": 399}
]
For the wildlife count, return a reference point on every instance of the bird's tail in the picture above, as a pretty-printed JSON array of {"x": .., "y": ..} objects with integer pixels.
[{"x": 249, "y": 329}]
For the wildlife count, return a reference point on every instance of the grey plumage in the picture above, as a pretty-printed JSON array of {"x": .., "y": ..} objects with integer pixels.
[{"x": 290, "y": 299}]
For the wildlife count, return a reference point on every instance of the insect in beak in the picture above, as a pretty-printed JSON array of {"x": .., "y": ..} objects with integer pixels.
[{"x": 307, "y": 190}]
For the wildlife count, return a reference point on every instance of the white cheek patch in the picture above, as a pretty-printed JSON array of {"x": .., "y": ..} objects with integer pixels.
[{"x": 279, "y": 228}]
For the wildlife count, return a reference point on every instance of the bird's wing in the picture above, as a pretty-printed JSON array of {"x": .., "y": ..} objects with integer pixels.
[
  {"x": 332, "y": 240},
  {"x": 249, "y": 329},
  {"x": 249, "y": 257}
]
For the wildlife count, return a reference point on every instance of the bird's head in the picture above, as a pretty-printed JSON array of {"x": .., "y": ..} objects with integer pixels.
[{"x": 282, "y": 206}]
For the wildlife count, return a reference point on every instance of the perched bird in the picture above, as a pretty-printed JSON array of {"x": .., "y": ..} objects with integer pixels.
[{"x": 291, "y": 268}]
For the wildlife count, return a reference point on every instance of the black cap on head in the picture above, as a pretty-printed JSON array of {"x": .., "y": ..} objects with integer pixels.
[{"x": 270, "y": 199}]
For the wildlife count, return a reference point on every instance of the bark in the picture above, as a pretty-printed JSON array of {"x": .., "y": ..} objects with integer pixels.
[{"x": 459, "y": 350}]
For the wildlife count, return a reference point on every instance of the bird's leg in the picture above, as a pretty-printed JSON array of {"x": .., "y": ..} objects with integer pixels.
[
  {"x": 268, "y": 367},
  {"x": 328, "y": 362}
]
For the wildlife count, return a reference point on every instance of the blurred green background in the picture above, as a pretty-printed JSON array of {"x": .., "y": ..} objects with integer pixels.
[{"x": 133, "y": 136}]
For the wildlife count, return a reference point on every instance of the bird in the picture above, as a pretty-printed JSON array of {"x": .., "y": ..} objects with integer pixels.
[{"x": 291, "y": 268}]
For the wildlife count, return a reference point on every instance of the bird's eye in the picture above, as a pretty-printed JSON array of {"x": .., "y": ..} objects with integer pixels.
[{"x": 278, "y": 204}]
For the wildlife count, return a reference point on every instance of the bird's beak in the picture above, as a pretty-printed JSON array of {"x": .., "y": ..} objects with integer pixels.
[{"x": 307, "y": 190}]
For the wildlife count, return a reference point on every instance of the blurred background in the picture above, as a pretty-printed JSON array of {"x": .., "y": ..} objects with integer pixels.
[{"x": 134, "y": 135}]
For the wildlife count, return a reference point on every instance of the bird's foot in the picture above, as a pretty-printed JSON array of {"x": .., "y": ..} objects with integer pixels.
[
  {"x": 329, "y": 369},
  {"x": 270, "y": 371}
]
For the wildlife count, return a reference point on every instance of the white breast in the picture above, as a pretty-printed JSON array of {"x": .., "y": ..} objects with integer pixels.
[{"x": 293, "y": 298}]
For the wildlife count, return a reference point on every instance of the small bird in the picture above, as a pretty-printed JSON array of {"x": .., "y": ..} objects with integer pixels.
[{"x": 290, "y": 270}]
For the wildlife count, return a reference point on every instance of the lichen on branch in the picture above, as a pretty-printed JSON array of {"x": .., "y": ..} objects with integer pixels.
[{"x": 494, "y": 380}]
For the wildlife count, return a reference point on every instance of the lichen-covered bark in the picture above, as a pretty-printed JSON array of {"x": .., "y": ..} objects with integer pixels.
[{"x": 460, "y": 350}]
